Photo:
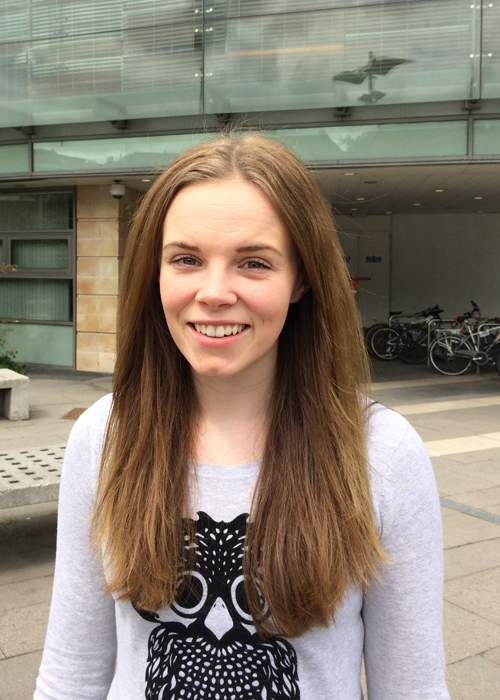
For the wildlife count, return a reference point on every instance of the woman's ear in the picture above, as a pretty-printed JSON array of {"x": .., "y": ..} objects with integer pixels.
[{"x": 299, "y": 290}]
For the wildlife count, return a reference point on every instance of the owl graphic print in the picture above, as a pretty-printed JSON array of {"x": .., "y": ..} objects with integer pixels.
[{"x": 204, "y": 646}]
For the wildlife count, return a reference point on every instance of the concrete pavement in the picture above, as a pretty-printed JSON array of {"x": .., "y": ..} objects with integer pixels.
[{"x": 458, "y": 418}]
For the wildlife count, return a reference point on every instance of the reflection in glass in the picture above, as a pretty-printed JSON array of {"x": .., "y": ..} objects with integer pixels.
[
  {"x": 486, "y": 137},
  {"x": 79, "y": 61},
  {"x": 14, "y": 158},
  {"x": 36, "y": 299},
  {"x": 490, "y": 64},
  {"x": 40, "y": 254},
  {"x": 40, "y": 343},
  {"x": 376, "y": 141},
  {"x": 288, "y": 59},
  {"x": 148, "y": 152},
  {"x": 36, "y": 211}
]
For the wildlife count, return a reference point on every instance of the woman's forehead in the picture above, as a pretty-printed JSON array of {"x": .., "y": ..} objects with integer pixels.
[{"x": 231, "y": 208}]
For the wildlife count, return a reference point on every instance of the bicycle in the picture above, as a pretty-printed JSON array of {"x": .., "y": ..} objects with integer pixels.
[
  {"x": 404, "y": 340},
  {"x": 454, "y": 352}
]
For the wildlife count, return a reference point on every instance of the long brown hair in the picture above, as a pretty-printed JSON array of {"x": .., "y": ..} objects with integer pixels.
[{"x": 312, "y": 530}]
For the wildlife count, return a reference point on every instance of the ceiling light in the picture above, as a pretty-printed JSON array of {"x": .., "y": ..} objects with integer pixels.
[
  {"x": 478, "y": 197},
  {"x": 439, "y": 189},
  {"x": 146, "y": 179},
  {"x": 347, "y": 174},
  {"x": 417, "y": 204},
  {"x": 388, "y": 212},
  {"x": 360, "y": 199}
]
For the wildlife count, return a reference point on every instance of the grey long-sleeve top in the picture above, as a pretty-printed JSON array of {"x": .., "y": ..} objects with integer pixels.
[{"x": 203, "y": 647}]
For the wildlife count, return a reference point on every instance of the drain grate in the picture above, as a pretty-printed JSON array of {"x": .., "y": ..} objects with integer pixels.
[{"x": 30, "y": 476}]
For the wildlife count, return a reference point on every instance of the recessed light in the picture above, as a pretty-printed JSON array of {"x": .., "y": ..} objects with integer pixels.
[
  {"x": 478, "y": 197},
  {"x": 439, "y": 189},
  {"x": 349, "y": 174},
  {"x": 417, "y": 204},
  {"x": 146, "y": 179},
  {"x": 360, "y": 199}
]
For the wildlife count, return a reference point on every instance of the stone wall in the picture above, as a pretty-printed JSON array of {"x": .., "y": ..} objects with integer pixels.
[{"x": 101, "y": 231}]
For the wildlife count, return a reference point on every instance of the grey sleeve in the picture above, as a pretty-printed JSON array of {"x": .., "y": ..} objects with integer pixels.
[
  {"x": 80, "y": 645},
  {"x": 402, "y": 613}
]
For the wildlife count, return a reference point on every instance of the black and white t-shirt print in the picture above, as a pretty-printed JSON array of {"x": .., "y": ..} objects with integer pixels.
[{"x": 204, "y": 646}]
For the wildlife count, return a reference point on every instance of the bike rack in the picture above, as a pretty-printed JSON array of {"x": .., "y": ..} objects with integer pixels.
[{"x": 433, "y": 328}]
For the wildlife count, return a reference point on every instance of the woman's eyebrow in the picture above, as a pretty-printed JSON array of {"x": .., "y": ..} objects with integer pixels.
[
  {"x": 181, "y": 244},
  {"x": 254, "y": 248}
]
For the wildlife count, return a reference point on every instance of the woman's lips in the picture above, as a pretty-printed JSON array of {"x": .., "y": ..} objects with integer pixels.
[{"x": 214, "y": 341}]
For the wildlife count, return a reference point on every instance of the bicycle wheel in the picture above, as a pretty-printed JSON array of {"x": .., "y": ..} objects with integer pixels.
[
  {"x": 445, "y": 354},
  {"x": 386, "y": 344},
  {"x": 368, "y": 335}
]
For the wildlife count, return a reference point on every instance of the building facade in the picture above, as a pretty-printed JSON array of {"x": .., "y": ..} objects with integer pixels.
[{"x": 392, "y": 103}]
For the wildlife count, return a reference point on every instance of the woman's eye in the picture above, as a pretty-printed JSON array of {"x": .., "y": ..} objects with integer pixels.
[
  {"x": 256, "y": 265},
  {"x": 185, "y": 260}
]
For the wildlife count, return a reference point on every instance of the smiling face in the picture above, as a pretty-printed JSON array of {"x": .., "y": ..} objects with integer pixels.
[{"x": 228, "y": 274}]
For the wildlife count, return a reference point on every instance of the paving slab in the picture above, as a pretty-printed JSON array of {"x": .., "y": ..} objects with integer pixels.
[
  {"x": 460, "y": 529},
  {"x": 479, "y": 593},
  {"x": 475, "y": 678},
  {"x": 18, "y": 676},
  {"x": 485, "y": 498},
  {"x": 20, "y": 594},
  {"x": 471, "y": 558},
  {"x": 23, "y": 629},
  {"x": 488, "y": 469},
  {"x": 17, "y": 566},
  {"x": 493, "y": 655},
  {"x": 491, "y": 454},
  {"x": 467, "y": 634},
  {"x": 451, "y": 480}
]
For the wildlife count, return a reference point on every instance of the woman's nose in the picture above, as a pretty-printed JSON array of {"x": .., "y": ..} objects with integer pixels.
[{"x": 216, "y": 289}]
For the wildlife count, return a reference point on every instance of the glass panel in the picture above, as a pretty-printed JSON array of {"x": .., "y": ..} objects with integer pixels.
[
  {"x": 36, "y": 299},
  {"x": 36, "y": 211},
  {"x": 491, "y": 54},
  {"x": 109, "y": 154},
  {"x": 365, "y": 142},
  {"x": 14, "y": 159},
  {"x": 42, "y": 254},
  {"x": 342, "y": 54},
  {"x": 40, "y": 344},
  {"x": 486, "y": 137},
  {"x": 92, "y": 60}
]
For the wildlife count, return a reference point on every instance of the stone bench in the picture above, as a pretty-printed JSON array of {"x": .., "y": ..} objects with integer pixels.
[
  {"x": 14, "y": 395},
  {"x": 30, "y": 476}
]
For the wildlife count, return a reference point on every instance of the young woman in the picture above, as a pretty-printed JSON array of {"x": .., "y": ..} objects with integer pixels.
[{"x": 238, "y": 521}]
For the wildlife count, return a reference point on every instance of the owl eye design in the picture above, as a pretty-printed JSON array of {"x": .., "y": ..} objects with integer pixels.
[
  {"x": 239, "y": 598},
  {"x": 190, "y": 598}
]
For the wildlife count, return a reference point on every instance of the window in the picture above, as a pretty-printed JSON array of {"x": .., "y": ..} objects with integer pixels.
[{"x": 36, "y": 243}]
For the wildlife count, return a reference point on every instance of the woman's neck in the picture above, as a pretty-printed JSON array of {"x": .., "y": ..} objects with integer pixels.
[{"x": 232, "y": 425}]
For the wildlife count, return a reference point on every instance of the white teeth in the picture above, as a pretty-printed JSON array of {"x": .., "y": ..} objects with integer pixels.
[{"x": 218, "y": 331}]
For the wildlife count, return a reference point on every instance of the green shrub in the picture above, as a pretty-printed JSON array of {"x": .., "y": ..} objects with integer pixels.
[{"x": 8, "y": 357}]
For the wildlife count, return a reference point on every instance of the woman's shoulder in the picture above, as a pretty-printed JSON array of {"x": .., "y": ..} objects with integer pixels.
[
  {"x": 398, "y": 461},
  {"x": 387, "y": 429},
  {"x": 89, "y": 429}
]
